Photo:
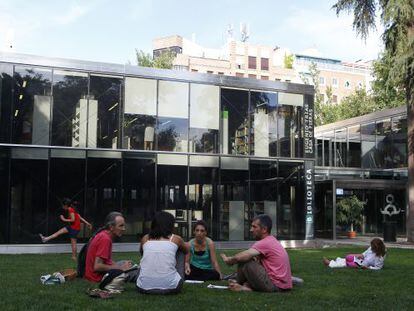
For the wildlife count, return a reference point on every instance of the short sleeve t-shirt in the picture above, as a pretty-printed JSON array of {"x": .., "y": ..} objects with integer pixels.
[
  {"x": 275, "y": 260},
  {"x": 75, "y": 225},
  {"x": 100, "y": 246}
]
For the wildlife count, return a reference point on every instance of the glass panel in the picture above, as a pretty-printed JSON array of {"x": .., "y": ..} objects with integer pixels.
[
  {"x": 204, "y": 106},
  {"x": 31, "y": 116},
  {"x": 172, "y": 134},
  {"x": 138, "y": 196},
  {"x": 234, "y": 121},
  {"x": 399, "y": 142},
  {"x": 368, "y": 153},
  {"x": 288, "y": 130},
  {"x": 319, "y": 152},
  {"x": 204, "y": 118},
  {"x": 172, "y": 195},
  {"x": 4, "y": 195},
  {"x": 354, "y": 141},
  {"x": 140, "y": 111},
  {"x": 69, "y": 124},
  {"x": 290, "y": 205},
  {"x": 263, "y": 193},
  {"x": 263, "y": 116},
  {"x": 340, "y": 147},
  {"x": 289, "y": 99},
  {"x": 67, "y": 183},
  {"x": 173, "y": 99},
  {"x": 103, "y": 112},
  {"x": 6, "y": 84},
  {"x": 234, "y": 192},
  {"x": 202, "y": 196},
  {"x": 103, "y": 188},
  {"x": 384, "y": 143},
  {"x": 328, "y": 139},
  {"x": 28, "y": 201}
]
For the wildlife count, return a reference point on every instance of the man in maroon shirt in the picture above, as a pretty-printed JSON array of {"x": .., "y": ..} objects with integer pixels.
[{"x": 99, "y": 254}]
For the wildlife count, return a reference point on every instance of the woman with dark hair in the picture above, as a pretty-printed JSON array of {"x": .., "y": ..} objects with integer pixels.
[
  {"x": 162, "y": 263},
  {"x": 373, "y": 258},
  {"x": 201, "y": 262},
  {"x": 73, "y": 221}
]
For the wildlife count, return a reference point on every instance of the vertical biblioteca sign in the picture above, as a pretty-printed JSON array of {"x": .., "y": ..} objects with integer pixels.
[{"x": 309, "y": 152}]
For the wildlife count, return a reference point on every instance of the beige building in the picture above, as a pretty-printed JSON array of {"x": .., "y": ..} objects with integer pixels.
[{"x": 242, "y": 59}]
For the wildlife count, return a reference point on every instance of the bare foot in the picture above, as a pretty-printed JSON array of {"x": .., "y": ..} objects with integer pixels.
[
  {"x": 236, "y": 287},
  {"x": 326, "y": 261},
  {"x": 42, "y": 238}
]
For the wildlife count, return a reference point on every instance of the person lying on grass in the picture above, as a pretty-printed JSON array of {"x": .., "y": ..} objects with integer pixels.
[
  {"x": 201, "y": 262},
  {"x": 265, "y": 266},
  {"x": 372, "y": 258}
]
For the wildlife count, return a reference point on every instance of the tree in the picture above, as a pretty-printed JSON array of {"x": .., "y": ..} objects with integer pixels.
[
  {"x": 288, "y": 61},
  {"x": 349, "y": 211},
  {"x": 397, "y": 17},
  {"x": 164, "y": 60}
]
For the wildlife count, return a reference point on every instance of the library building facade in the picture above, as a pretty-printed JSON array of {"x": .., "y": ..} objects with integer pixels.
[{"x": 140, "y": 140}]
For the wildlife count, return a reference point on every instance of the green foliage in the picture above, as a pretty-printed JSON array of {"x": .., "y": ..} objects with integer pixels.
[
  {"x": 349, "y": 211},
  {"x": 288, "y": 61},
  {"x": 164, "y": 60}
]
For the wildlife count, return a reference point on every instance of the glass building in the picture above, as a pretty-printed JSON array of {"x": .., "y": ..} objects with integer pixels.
[
  {"x": 139, "y": 140},
  {"x": 367, "y": 157}
]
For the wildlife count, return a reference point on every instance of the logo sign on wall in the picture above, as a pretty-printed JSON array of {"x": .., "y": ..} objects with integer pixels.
[
  {"x": 308, "y": 125},
  {"x": 309, "y": 198},
  {"x": 390, "y": 209}
]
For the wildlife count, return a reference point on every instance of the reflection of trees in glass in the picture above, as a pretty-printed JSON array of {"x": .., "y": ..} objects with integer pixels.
[
  {"x": 135, "y": 126},
  {"x": 167, "y": 138}
]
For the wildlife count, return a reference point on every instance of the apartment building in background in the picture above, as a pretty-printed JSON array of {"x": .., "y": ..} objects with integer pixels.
[{"x": 263, "y": 62}]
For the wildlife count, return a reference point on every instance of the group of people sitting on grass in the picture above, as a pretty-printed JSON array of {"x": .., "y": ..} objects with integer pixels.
[{"x": 167, "y": 260}]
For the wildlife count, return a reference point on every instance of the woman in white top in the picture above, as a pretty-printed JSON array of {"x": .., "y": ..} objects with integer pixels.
[
  {"x": 162, "y": 263},
  {"x": 372, "y": 258}
]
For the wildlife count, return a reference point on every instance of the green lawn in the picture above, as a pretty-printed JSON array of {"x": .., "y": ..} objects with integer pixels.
[{"x": 325, "y": 289}]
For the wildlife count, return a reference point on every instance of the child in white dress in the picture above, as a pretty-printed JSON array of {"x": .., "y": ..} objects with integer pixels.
[{"x": 372, "y": 258}]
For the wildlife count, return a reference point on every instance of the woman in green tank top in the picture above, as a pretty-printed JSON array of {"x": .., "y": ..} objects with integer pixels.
[{"x": 201, "y": 262}]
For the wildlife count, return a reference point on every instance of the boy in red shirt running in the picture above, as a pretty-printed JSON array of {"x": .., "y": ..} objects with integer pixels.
[{"x": 74, "y": 222}]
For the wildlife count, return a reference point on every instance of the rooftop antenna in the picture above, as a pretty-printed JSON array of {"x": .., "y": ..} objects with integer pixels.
[
  {"x": 244, "y": 31},
  {"x": 230, "y": 31}
]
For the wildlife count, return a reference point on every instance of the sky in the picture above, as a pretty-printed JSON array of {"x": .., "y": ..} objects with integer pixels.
[{"x": 110, "y": 31}]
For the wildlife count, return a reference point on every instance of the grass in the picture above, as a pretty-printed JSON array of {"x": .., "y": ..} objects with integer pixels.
[{"x": 324, "y": 288}]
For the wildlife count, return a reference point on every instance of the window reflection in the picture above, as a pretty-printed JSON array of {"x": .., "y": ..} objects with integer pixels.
[
  {"x": 103, "y": 112},
  {"x": 263, "y": 115},
  {"x": 204, "y": 118},
  {"x": 369, "y": 159},
  {"x": 399, "y": 140},
  {"x": 263, "y": 192},
  {"x": 31, "y": 115},
  {"x": 138, "y": 195},
  {"x": 140, "y": 111},
  {"x": 172, "y": 134},
  {"x": 234, "y": 121},
  {"x": 70, "y": 91},
  {"x": 6, "y": 84}
]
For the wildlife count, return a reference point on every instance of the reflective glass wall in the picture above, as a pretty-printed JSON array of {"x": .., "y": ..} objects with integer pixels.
[
  {"x": 114, "y": 142},
  {"x": 378, "y": 144}
]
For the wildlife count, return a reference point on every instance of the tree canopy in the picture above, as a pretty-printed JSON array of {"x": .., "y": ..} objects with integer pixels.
[{"x": 164, "y": 60}]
